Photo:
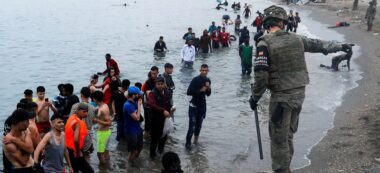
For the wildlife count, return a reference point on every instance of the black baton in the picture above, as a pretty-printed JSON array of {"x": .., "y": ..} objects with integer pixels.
[{"x": 258, "y": 134}]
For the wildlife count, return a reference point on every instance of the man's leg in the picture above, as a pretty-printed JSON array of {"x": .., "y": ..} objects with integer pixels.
[
  {"x": 84, "y": 166},
  {"x": 120, "y": 129},
  {"x": 293, "y": 128},
  {"x": 101, "y": 146},
  {"x": 73, "y": 161},
  {"x": 153, "y": 142},
  {"x": 279, "y": 126},
  {"x": 190, "y": 131},
  {"x": 249, "y": 69},
  {"x": 335, "y": 64},
  {"x": 148, "y": 121},
  {"x": 201, "y": 114},
  {"x": 161, "y": 144}
]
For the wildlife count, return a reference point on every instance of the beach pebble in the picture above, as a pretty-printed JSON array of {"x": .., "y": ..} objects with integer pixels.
[
  {"x": 375, "y": 33},
  {"x": 366, "y": 106},
  {"x": 365, "y": 94}
]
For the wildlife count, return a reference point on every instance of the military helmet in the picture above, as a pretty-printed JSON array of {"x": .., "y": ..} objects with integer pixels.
[{"x": 274, "y": 12}]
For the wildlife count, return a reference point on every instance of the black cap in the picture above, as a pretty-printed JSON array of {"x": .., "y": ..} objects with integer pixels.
[{"x": 20, "y": 115}]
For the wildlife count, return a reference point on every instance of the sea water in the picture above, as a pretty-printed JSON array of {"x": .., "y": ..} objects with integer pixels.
[{"x": 50, "y": 42}]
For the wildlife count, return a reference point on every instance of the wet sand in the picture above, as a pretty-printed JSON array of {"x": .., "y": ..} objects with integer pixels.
[{"x": 354, "y": 142}]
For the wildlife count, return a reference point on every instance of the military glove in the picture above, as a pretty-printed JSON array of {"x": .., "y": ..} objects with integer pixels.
[{"x": 253, "y": 102}]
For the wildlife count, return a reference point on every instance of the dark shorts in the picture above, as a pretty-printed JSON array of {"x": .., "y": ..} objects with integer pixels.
[
  {"x": 43, "y": 127},
  {"x": 134, "y": 141},
  {"x": 23, "y": 170}
]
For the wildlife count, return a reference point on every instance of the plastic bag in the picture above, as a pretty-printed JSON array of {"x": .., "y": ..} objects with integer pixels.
[{"x": 168, "y": 127}]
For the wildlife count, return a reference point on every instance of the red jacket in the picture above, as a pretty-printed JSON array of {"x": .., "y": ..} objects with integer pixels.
[
  {"x": 112, "y": 63},
  {"x": 258, "y": 21},
  {"x": 214, "y": 37},
  {"x": 224, "y": 37}
]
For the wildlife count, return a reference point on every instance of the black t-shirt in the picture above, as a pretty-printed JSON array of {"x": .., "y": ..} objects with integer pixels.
[
  {"x": 119, "y": 100},
  {"x": 71, "y": 100}
]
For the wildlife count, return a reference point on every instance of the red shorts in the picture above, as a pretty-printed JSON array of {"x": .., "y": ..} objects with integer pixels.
[{"x": 43, "y": 127}]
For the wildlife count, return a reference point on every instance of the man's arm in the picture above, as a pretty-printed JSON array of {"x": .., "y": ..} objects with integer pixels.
[
  {"x": 319, "y": 46},
  {"x": 116, "y": 67},
  {"x": 192, "y": 90},
  {"x": 16, "y": 154},
  {"x": 45, "y": 140},
  {"x": 67, "y": 158},
  {"x": 53, "y": 108},
  {"x": 76, "y": 129},
  {"x": 182, "y": 54},
  {"x": 26, "y": 145},
  {"x": 261, "y": 67},
  {"x": 136, "y": 115},
  {"x": 193, "y": 53}
]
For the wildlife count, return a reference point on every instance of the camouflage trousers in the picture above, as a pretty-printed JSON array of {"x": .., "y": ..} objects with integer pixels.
[{"x": 283, "y": 124}]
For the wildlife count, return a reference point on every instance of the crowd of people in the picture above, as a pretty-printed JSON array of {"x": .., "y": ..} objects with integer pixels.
[{"x": 36, "y": 141}]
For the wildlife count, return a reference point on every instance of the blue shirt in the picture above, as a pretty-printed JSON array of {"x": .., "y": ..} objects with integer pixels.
[
  {"x": 131, "y": 126},
  {"x": 211, "y": 29}
]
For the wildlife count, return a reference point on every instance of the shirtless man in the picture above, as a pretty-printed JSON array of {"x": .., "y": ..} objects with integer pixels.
[
  {"x": 44, "y": 104},
  {"x": 17, "y": 144},
  {"x": 104, "y": 122},
  {"x": 32, "y": 108},
  {"x": 93, "y": 82}
]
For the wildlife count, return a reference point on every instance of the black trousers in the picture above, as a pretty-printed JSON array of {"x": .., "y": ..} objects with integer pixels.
[
  {"x": 79, "y": 163},
  {"x": 157, "y": 143}
]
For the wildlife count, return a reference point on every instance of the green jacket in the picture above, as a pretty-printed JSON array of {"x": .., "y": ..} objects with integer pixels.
[{"x": 245, "y": 53}]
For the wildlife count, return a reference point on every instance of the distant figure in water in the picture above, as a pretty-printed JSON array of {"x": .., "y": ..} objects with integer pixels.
[
  {"x": 219, "y": 7},
  {"x": 125, "y": 4},
  {"x": 225, "y": 3},
  {"x": 338, "y": 59},
  {"x": 160, "y": 45}
]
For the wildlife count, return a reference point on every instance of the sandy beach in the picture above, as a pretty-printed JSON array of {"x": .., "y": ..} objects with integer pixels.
[{"x": 354, "y": 142}]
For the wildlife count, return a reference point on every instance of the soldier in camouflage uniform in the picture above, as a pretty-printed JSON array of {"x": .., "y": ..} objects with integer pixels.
[
  {"x": 370, "y": 15},
  {"x": 280, "y": 66}
]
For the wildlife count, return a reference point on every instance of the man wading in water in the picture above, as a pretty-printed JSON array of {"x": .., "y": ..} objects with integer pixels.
[{"x": 286, "y": 77}]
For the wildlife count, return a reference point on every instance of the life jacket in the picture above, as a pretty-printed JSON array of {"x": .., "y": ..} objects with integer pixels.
[{"x": 69, "y": 132}]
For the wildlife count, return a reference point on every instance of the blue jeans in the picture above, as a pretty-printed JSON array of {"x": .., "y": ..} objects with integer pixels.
[
  {"x": 246, "y": 69},
  {"x": 196, "y": 116}
]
